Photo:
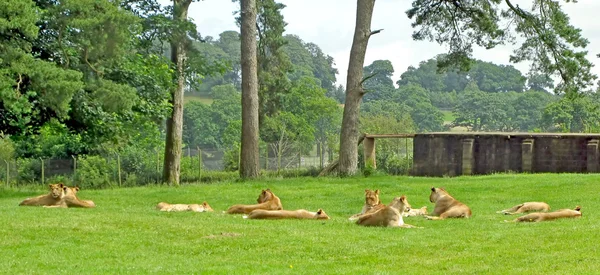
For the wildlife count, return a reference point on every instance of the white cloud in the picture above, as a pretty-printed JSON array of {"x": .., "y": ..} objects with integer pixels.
[{"x": 330, "y": 24}]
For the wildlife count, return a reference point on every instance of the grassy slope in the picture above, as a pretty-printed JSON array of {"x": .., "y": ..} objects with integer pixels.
[
  {"x": 127, "y": 235},
  {"x": 206, "y": 99}
]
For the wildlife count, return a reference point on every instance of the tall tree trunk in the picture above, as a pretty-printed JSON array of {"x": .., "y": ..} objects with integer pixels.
[
  {"x": 171, "y": 168},
  {"x": 354, "y": 92},
  {"x": 249, "y": 161}
]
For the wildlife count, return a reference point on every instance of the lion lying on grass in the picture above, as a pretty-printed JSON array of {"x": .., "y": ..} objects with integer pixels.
[
  {"x": 389, "y": 216},
  {"x": 70, "y": 199},
  {"x": 204, "y": 207},
  {"x": 415, "y": 212},
  {"x": 266, "y": 201},
  {"x": 526, "y": 207},
  {"x": 558, "y": 214},
  {"x": 446, "y": 206},
  {"x": 372, "y": 203},
  {"x": 287, "y": 214},
  {"x": 55, "y": 197}
]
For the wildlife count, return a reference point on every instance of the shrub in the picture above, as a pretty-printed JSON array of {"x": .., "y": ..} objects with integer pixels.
[{"x": 94, "y": 172}]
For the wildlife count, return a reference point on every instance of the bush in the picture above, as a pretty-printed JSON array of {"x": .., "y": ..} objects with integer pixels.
[
  {"x": 397, "y": 165},
  {"x": 93, "y": 172}
]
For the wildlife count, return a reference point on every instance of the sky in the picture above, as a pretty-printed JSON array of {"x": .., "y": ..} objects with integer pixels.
[{"x": 330, "y": 25}]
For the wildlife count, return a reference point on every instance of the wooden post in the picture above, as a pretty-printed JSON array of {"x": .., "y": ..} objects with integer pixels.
[
  {"x": 467, "y": 156},
  {"x": 7, "y": 172},
  {"x": 119, "y": 168},
  {"x": 369, "y": 149},
  {"x": 74, "y": 170},
  {"x": 199, "y": 164},
  {"x": 42, "y": 170},
  {"x": 527, "y": 155},
  {"x": 592, "y": 156}
]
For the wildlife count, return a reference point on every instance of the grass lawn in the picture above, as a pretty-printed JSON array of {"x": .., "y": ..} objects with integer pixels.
[
  {"x": 448, "y": 116},
  {"x": 126, "y": 235}
]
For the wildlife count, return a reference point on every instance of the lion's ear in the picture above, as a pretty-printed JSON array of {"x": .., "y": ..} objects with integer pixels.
[
  {"x": 366, "y": 190},
  {"x": 377, "y": 191},
  {"x": 403, "y": 198},
  {"x": 433, "y": 189},
  {"x": 320, "y": 211},
  {"x": 61, "y": 185},
  {"x": 77, "y": 188}
]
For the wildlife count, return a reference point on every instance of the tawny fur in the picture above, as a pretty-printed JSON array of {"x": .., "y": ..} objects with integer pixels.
[
  {"x": 204, "y": 207},
  {"x": 446, "y": 206},
  {"x": 73, "y": 201},
  {"x": 372, "y": 203},
  {"x": 266, "y": 201},
  {"x": 549, "y": 216},
  {"x": 415, "y": 212},
  {"x": 54, "y": 198},
  {"x": 287, "y": 214},
  {"x": 389, "y": 216},
  {"x": 526, "y": 207}
]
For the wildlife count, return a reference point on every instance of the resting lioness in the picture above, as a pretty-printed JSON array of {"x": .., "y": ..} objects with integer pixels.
[
  {"x": 266, "y": 200},
  {"x": 446, "y": 206},
  {"x": 287, "y": 214},
  {"x": 389, "y": 216},
  {"x": 558, "y": 214},
  {"x": 372, "y": 203},
  {"x": 526, "y": 207},
  {"x": 415, "y": 212},
  {"x": 204, "y": 207},
  {"x": 53, "y": 198}
]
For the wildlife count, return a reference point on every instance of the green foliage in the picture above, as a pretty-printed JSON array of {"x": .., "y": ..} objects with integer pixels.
[
  {"x": 573, "y": 114},
  {"x": 378, "y": 82},
  {"x": 426, "y": 117},
  {"x": 94, "y": 172},
  {"x": 551, "y": 43}
]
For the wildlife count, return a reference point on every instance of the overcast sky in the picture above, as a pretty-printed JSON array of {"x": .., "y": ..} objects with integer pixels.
[{"x": 330, "y": 24}]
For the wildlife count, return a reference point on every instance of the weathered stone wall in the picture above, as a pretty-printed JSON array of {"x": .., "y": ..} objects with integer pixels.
[{"x": 453, "y": 154}]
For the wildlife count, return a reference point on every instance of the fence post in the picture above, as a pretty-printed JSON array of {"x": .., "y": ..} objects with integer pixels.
[
  {"x": 42, "y": 170},
  {"x": 17, "y": 170},
  {"x": 199, "y": 164},
  {"x": 157, "y": 166},
  {"x": 119, "y": 168},
  {"x": 7, "y": 173},
  {"x": 74, "y": 169}
]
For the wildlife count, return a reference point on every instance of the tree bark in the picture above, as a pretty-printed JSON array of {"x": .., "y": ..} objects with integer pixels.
[
  {"x": 173, "y": 142},
  {"x": 249, "y": 160},
  {"x": 348, "y": 160}
]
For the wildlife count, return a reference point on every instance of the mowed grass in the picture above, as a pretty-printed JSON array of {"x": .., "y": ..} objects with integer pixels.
[
  {"x": 126, "y": 235},
  {"x": 206, "y": 99}
]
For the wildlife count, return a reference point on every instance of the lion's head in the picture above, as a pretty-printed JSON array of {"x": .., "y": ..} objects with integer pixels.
[
  {"x": 372, "y": 197},
  {"x": 71, "y": 190},
  {"x": 401, "y": 204},
  {"x": 207, "y": 207},
  {"x": 321, "y": 215},
  {"x": 57, "y": 190},
  {"x": 264, "y": 196},
  {"x": 436, "y": 193}
]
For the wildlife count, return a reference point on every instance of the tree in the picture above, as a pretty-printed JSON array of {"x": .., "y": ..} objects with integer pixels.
[
  {"x": 173, "y": 142},
  {"x": 539, "y": 82},
  {"x": 349, "y": 133},
  {"x": 378, "y": 83},
  {"x": 249, "y": 161},
  {"x": 551, "y": 43}
]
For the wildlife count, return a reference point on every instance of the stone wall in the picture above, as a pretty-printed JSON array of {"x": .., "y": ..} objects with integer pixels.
[{"x": 453, "y": 154}]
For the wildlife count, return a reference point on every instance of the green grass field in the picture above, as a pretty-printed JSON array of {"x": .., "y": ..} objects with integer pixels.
[
  {"x": 448, "y": 116},
  {"x": 126, "y": 235}
]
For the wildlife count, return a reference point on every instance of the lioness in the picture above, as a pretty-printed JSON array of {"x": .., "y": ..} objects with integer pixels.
[
  {"x": 446, "y": 206},
  {"x": 53, "y": 198},
  {"x": 204, "y": 207},
  {"x": 390, "y": 216},
  {"x": 287, "y": 214},
  {"x": 372, "y": 203},
  {"x": 558, "y": 214},
  {"x": 415, "y": 212},
  {"x": 266, "y": 200},
  {"x": 526, "y": 207}
]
